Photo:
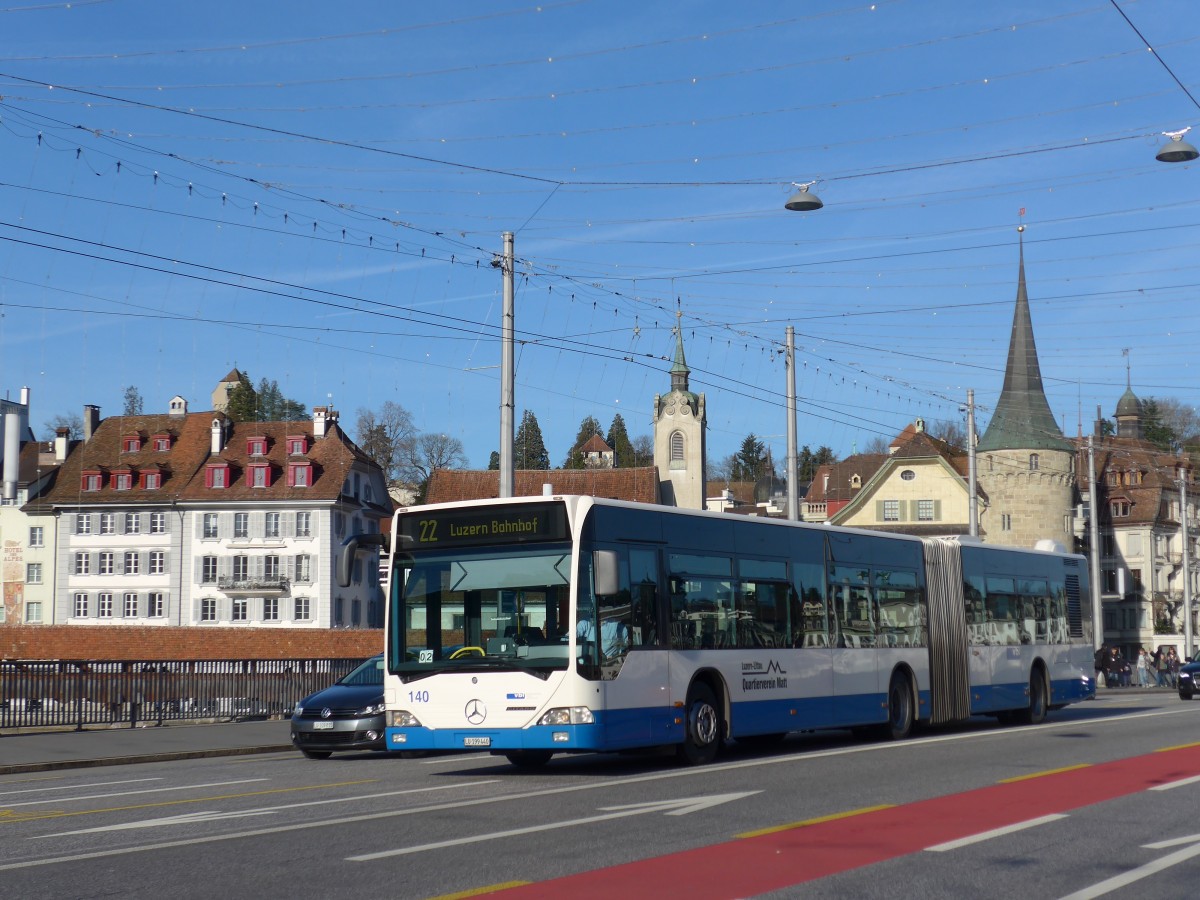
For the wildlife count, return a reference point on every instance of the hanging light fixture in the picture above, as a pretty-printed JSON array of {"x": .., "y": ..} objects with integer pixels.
[
  {"x": 803, "y": 200},
  {"x": 1177, "y": 149}
]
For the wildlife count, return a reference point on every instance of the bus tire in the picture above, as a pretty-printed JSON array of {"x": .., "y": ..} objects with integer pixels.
[
  {"x": 703, "y": 726},
  {"x": 528, "y": 759},
  {"x": 901, "y": 710},
  {"x": 1035, "y": 713}
]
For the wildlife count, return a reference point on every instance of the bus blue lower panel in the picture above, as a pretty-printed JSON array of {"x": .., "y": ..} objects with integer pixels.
[{"x": 1001, "y": 697}]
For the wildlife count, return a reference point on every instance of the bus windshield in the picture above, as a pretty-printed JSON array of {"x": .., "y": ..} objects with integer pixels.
[{"x": 481, "y": 608}]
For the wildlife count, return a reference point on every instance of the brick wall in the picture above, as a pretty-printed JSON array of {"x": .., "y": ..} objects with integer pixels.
[{"x": 145, "y": 642}]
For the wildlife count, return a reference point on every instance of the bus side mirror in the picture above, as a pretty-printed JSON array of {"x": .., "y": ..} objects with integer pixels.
[
  {"x": 605, "y": 573},
  {"x": 350, "y": 547}
]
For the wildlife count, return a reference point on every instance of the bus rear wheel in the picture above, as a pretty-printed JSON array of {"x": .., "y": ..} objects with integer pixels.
[
  {"x": 901, "y": 712},
  {"x": 1035, "y": 713},
  {"x": 703, "y": 725},
  {"x": 528, "y": 759}
]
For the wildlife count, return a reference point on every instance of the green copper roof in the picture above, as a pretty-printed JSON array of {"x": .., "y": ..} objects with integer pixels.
[{"x": 1023, "y": 420}]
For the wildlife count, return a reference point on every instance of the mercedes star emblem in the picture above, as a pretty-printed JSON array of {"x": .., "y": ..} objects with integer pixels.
[{"x": 475, "y": 712}]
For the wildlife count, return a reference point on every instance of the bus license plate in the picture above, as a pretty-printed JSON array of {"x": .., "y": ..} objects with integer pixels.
[
  {"x": 477, "y": 742},
  {"x": 322, "y": 726}
]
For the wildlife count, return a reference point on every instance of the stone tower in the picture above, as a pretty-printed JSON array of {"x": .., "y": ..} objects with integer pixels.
[
  {"x": 679, "y": 435},
  {"x": 1025, "y": 464}
]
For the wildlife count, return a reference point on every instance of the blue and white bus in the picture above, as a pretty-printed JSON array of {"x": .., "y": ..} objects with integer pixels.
[{"x": 541, "y": 625}]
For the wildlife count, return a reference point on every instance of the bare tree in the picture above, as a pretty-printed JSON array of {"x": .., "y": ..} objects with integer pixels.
[
  {"x": 73, "y": 422},
  {"x": 383, "y": 435},
  {"x": 952, "y": 431},
  {"x": 420, "y": 455}
]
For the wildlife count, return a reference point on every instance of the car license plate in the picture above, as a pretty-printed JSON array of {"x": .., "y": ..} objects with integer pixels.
[
  {"x": 322, "y": 726},
  {"x": 477, "y": 742}
]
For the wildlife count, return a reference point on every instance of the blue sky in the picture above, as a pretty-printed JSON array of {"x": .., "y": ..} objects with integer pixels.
[{"x": 316, "y": 199}]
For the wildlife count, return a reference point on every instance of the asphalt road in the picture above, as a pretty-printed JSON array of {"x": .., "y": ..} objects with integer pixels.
[{"x": 1099, "y": 800}]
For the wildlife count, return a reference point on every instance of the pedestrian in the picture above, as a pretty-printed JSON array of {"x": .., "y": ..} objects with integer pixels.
[
  {"x": 1101, "y": 662},
  {"x": 1143, "y": 668},
  {"x": 1173, "y": 668},
  {"x": 1114, "y": 667},
  {"x": 1161, "y": 665}
]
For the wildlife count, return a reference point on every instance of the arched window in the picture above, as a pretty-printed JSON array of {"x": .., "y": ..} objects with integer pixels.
[
  {"x": 1033, "y": 462},
  {"x": 677, "y": 449}
]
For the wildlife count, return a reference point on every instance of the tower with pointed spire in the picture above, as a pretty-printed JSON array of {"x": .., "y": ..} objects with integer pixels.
[
  {"x": 1025, "y": 464},
  {"x": 679, "y": 435}
]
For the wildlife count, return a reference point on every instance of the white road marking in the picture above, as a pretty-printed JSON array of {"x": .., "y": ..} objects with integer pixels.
[
  {"x": 995, "y": 833},
  {"x": 1174, "y": 784},
  {"x": 77, "y": 787},
  {"x": 182, "y": 787},
  {"x": 669, "y": 807},
  {"x": 1152, "y": 868}
]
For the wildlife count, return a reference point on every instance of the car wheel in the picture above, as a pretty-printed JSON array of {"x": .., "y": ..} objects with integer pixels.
[{"x": 1185, "y": 695}]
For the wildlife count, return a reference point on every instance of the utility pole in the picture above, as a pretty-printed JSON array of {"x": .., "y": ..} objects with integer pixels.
[
  {"x": 972, "y": 489},
  {"x": 1187, "y": 569},
  {"x": 1094, "y": 546},
  {"x": 793, "y": 507},
  {"x": 507, "y": 376}
]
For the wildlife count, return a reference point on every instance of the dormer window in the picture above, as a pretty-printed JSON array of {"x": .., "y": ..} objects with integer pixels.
[
  {"x": 256, "y": 446},
  {"x": 161, "y": 442},
  {"x": 122, "y": 480},
  {"x": 217, "y": 475},
  {"x": 90, "y": 480},
  {"x": 260, "y": 475},
  {"x": 297, "y": 445},
  {"x": 151, "y": 481},
  {"x": 131, "y": 443},
  {"x": 299, "y": 475}
]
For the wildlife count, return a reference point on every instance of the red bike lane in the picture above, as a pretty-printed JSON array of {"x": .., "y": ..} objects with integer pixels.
[{"x": 777, "y": 858}]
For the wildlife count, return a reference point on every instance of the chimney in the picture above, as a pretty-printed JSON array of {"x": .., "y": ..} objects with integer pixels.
[
  {"x": 12, "y": 454},
  {"x": 322, "y": 417},
  {"x": 62, "y": 440},
  {"x": 91, "y": 421},
  {"x": 218, "y": 437}
]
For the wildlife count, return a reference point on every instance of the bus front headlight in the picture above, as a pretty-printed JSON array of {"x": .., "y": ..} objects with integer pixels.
[
  {"x": 567, "y": 715},
  {"x": 402, "y": 718}
]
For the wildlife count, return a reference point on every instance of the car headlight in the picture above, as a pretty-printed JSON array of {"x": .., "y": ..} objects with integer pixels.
[
  {"x": 567, "y": 715},
  {"x": 1183, "y": 675},
  {"x": 371, "y": 709},
  {"x": 297, "y": 711}
]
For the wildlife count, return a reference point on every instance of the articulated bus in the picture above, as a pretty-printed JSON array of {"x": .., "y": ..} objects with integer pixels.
[{"x": 539, "y": 625}]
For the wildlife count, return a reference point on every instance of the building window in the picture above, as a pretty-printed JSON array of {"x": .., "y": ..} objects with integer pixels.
[
  {"x": 1034, "y": 462},
  {"x": 677, "y": 447},
  {"x": 298, "y": 475},
  {"x": 158, "y": 562},
  {"x": 210, "y": 525},
  {"x": 303, "y": 568},
  {"x": 1005, "y": 522},
  {"x": 83, "y": 524},
  {"x": 208, "y": 609},
  {"x": 151, "y": 481},
  {"x": 256, "y": 446},
  {"x": 217, "y": 476},
  {"x": 133, "y": 523},
  {"x": 891, "y": 510},
  {"x": 104, "y": 606},
  {"x": 33, "y": 573},
  {"x": 133, "y": 444},
  {"x": 355, "y": 611},
  {"x": 90, "y": 481},
  {"x": 162, "y": 442},
  {"x": 122, "y": 481},
  {"x": 241, "y": 609},
  {"x": 83, "y": 564},
  {"x": 133, "y": 563},
  {"x": 33, "y": 612},
  {"x": 37, "y": 536},
  {"x": 131, "y": 606},
  {"x": 241, "y": 525},
  {"x": 108, "y": 523},
  {"x": 924, "y": 510},
  {"x": 303, "y": 610},
  {"x": 158, "y": 523},
  {"x": 271, "y": 528},
  {"x": 156, "y": 606},
  {"x": 270, "y": 609},
  {"x": 271, "y": 566},
  {"x": 1120, "y": 509},
  {"x": 106, "y": 563},
  {"x": 260, "y": 476},
  {"x": 297, "y": 445},
  {"x": 303, "y": 524},
  {"x": 241, "y": 568},
  {"x": 908, "y": 475},
  {"x": 339, "y": 606},
  {"x": 81, "y": 606},
  {"x": 208, "y": 570}
]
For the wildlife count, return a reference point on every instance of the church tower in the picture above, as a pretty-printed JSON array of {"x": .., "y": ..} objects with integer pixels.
[
  {"x": 1025, "y": 464},
  {"x": 679, "y": 435}
]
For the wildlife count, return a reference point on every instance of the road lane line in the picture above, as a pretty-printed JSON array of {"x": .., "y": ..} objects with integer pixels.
[
  {"x": 75, "y": 787},
  {"x": 481, "y": 891},
  {"x": 1017, "y": 778},
  {"x": 1134, "y": 875},
  {"x": 833, "y": 817},
  {"x": 994, "y": 833},
  {"x": 1174, "y": 784},
  {"x": 182, "y": 787},
  {"x": 1177, "y": 747}
]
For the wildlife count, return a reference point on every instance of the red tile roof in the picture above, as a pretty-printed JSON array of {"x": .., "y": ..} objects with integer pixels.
[{"x": 454, "y": 485}]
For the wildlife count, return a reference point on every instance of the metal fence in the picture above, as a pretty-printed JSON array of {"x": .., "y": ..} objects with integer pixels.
[{"x": 78, "y": 692}]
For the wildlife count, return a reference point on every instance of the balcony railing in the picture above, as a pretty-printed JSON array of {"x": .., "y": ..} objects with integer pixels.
[{"x": 258, "y": 585}]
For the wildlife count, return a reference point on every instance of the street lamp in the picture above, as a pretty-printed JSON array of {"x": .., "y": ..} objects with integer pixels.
[
  {"x": 1176, "y": 149},
  {"x": 805, "y": 200}
]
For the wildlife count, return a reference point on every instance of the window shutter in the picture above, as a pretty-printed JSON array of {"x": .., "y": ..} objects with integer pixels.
[
  {"x": 878, "y": 510},
  {"x": 903, "y": 510},
  {"x": 913, "y": 513},
  {"x": 937, "y": 510}
]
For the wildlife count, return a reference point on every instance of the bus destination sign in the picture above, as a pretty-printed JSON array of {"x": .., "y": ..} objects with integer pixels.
[{"x": 476, "y": 527}]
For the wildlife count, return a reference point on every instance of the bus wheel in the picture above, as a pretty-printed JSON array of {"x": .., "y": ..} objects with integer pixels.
[
  {"x": 528, "y": 759},
  {"x": 900, "y": 709},
  {"x": 703, "y": 727},
  {"x": 1035, "y": 713}
]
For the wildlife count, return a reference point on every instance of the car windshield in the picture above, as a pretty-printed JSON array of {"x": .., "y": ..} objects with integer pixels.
[
  {"x": 369, "y": 673},
  {"x": 482, "y": 608}
]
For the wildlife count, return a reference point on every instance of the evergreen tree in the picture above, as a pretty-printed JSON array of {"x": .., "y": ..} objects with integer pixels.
[
  {"x": 588, "y": 428},
  {"x": 494, "y": 461},
  {"x": 643, "y": 450},
  {"x": 618, "y": 439},
  {"x": 265, "y": 403},
  {"x": 133, "y": 402},
  {"x": 243, "y": 401},
  {"x": 529, "y": 450},
  {"x": 1155, "y": 430},
  {"x": 750, "y": 463}
]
